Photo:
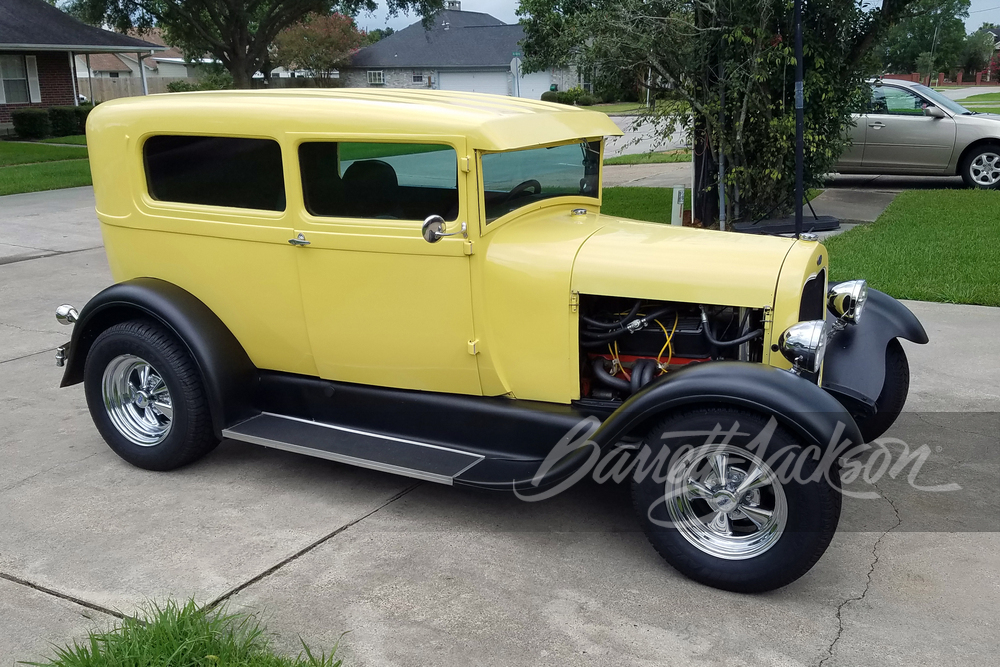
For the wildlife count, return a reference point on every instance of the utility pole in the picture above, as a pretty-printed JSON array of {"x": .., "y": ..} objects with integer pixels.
[{"x": 799, "y": 119}]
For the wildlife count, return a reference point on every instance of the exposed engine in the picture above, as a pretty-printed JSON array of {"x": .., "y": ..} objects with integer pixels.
[{"x": 626, "y": 343}]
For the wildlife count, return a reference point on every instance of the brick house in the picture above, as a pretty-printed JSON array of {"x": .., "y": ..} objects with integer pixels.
[
  {"x": 37, "y": 47},
  {"x": 466, "y": 51}
]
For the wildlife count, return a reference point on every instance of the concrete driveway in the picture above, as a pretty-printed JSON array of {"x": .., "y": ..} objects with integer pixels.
[{"x": 422, "y": 574}]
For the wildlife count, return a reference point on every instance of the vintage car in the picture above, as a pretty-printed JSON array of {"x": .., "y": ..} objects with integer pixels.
[{"x": 423, "y": 283}]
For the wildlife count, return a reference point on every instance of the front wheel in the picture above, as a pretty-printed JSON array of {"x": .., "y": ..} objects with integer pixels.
[
  {"x": 733, "y": 513},
  {"x": 891, "y": 400},
  {"x": 981, "y": 168},
  {"x": 146, "y": 397}
]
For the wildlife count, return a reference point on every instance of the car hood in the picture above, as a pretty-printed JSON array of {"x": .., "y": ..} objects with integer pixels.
[{"x": 663, "y": 262}]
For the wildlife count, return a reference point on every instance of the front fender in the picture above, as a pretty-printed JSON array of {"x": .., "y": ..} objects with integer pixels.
[
  {"x": 228, "y": 374},
  {"x": 795, "y": 402},
  {"x": 854, "y": 367}
]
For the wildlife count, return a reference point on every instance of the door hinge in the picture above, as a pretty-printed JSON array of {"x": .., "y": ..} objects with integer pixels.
[
  {"x": 468, "y": 247},
  {"x": 474, "y": 347},
  {"x": 574, "y": 301},
  {"x": 466, "y": 164}
]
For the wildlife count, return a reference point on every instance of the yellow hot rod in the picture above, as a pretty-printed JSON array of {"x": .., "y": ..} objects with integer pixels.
[{"x": 423, "y": 283}]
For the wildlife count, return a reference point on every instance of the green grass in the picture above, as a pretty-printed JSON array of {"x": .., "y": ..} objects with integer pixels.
[
  {"x": 173, "y": 635},
  {"x": 995, "y": 109},
  {"x": 682, "y": 155},
  {"x": 982, "y": 97},
  {"x": 45, "y": 176},
  {"x": 928, "y": 245},
  {"x": 13, "y": 152},
  {"x": 78, "y": 139},
  {"x": 650, "y": 204},
  {"x": 619, "y": 108}
]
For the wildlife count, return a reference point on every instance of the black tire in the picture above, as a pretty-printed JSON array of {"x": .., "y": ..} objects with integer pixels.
[
  {"x": 812, "y": 508},
  {"x": 966, "y": 169},
  {"x": 183, "y": 437},
  {"x": 891, "y": 400}
]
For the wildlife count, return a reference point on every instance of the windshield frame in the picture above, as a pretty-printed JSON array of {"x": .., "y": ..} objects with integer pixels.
[
  {"x": 560, "y": 200},
  {"x": 932, "y": 96}
]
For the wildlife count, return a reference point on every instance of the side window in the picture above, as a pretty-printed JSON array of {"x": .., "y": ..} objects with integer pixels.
[
  {"x": 215, "y": 171},
  {"x": 379, "y": 180},
  {"x": 896, "y": 101}
]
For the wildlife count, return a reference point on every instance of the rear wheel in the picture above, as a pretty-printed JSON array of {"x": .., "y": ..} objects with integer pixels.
[
  {"x": 981, "y": 167},
  {"x": 722, "y": 515},
  {"x": 146, "y": 397},
  {"x": 893, "y": 396}
]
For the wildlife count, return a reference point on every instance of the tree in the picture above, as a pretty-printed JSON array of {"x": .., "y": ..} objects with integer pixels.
[
  {"x": 237, "y": 32},
  {"x": 321, "y": 43},
  {"x": 376, "y": 35},
  {"x": 936, "y": 27},
  {"x": 980, "y": 47},
  {"x": 725, "y": 72}
]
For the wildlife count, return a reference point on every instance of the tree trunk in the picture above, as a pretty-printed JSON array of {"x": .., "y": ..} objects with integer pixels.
[{"x": 704, "y": 189}]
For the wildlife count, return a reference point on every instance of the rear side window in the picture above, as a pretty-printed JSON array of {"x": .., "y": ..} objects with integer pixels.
[
  {"x": 379, "y": 180},
  {"x": 215, "y": 171}
]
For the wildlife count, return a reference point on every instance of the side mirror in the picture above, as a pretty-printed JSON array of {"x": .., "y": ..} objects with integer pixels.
[
  {"x": 434, "y": 227},
  {"x": 934, "y": 112}
]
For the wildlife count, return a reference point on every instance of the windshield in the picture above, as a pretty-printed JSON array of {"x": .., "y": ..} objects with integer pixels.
[
  {"x": 941, "y": 100},
  {"x": 517, "y": 178}
]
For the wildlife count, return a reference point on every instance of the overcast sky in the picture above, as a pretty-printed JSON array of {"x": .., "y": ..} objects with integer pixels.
[{"x": 979, "y": 12}]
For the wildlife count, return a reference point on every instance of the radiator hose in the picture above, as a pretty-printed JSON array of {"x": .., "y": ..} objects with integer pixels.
[{"x": 726, "y": 343}]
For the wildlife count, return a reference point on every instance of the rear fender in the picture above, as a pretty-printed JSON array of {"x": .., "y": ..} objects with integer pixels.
[{"x": 228, "y": 375}]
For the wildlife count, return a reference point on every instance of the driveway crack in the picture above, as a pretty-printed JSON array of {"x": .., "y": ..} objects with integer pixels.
[
  {"x": 62, "y": 596},
  {"x": 302, "y": 552},
  {"x": 871, "y": 569}
]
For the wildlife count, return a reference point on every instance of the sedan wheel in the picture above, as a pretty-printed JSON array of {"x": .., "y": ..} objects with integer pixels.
[{"x": 981, "y": 168}]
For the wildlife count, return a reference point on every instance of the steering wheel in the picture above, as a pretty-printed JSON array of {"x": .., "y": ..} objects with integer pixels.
[{"x": 521, "y": 188}]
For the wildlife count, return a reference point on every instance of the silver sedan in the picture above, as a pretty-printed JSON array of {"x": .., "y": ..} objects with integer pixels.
[{"x": 913, "y": 130}]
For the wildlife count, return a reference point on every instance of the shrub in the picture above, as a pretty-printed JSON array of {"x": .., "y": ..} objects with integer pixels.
[
  {"x": 64, "y": 121},
  {"x": 564, "y": 97},
  {"x": 31, "y": 123},
  {"x": 550, "y": 96},
  {"x": 81, "y": 112},
  {"x": 586, "y": 100},
  {"x": 180, "y": 87}
]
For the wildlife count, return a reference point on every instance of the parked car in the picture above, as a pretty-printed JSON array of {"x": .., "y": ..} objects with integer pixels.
[
  {"x": 910, "y": 129},
  {"x": 423, "y": 283}
]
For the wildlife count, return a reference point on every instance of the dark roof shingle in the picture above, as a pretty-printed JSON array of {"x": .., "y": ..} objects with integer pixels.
[
  {"x": 455, "y": 39},
  {"x": 38, "y": 26}
]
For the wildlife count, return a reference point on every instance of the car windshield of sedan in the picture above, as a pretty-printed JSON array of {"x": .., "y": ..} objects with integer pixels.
[
  {"x": 514, "y": 179},
  {"x": 941, "y": 100}
]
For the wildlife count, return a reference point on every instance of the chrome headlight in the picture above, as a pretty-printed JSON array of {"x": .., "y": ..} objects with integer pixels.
[
  {"x": 847, "y": 300},
  {"x": 804, "y": 344}
]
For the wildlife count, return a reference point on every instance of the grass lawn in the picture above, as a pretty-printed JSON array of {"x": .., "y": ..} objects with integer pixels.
[
  {"x": 650, "y": 204},
  {"x": 45, "y": 176},
  {"x": 995, "y": 109},
  {"x": 78, "y": 139},
  {"x": 981, "y": 97},
  {"x": 682, "y": 155},
  {"x": 619, "y": 108},
  {"x": 182, "y": 635},
  {"x": 937, "y": 245},
  {"x": 12, "y": 152}
]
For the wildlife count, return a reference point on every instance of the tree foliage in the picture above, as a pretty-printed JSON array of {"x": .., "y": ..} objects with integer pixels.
[
  {"x": 236, "y": 32},
  {"x": 701, "y": 51},
  {"x": 935, "y": 27},
  {"x": 376, "y": 35},
  {"x": 321, "y": 43}
]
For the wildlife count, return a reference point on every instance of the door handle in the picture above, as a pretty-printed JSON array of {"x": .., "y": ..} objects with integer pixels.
[
  {"x": 877, "y": 125},
  {"x": 299, "y": 240}
]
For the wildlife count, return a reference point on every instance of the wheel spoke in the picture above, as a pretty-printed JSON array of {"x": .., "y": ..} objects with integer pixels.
[
  {"x": 159, "y": 388},
  {"x": 719, "y": 463},
  {"x": 754, "y": 480},
  {"x": 757, "y": 515},
  {"x": 696, "y": 489},
  {"x": 144, "y": 377},
  {"x": 163, "y": 408},
  {"x": 721, "y": 524}
]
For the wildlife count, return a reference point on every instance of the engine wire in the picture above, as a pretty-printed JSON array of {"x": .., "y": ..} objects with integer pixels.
[{"x": 666, "y": 345}]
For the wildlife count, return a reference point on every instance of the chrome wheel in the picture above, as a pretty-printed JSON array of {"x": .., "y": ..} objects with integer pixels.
[
  {"x": 137, "y": 400},
  {"x": 726, "y": 502},
  {"x": 985, "y": 169}
]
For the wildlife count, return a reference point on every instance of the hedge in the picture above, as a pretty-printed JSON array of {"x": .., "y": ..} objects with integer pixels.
[
  {"x": 63, "y": 121},
  {"x": 55, "y": 121},
  {"x": 31, "y": 123}
]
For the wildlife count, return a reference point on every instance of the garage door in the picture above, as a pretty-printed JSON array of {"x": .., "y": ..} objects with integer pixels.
[
  {"x": 533, "y": 85},
  {"x": 474, "y": 82}
]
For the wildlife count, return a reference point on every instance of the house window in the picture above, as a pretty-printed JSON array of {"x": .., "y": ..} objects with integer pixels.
[
  {"x": 375, "y": 77},
  {"x": 418, "y": 77},
  {"x": 113, "y": 75},
  {"x": 379, "y": 180},
  {"x": 215, "y": 171},
  {"x": 14, "y": 77}
]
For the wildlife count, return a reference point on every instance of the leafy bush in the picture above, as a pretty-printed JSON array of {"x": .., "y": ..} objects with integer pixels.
[
  {"x": 564, "y": 97},
  {"x": 550, "y": 96},
  {"x": 586, "y": 100},
  {"x": 81, "y": 112},
  {"x": 31, "y": 123},
  {"x": 63, "y": 121},
  {"x": 181, "y": 87}
]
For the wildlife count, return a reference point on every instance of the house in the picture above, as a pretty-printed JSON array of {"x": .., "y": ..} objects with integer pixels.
[
  {"x": 169, "y": 62},
  {"x": 467, "y": 51},
  {"x": 37, "y": 47}
]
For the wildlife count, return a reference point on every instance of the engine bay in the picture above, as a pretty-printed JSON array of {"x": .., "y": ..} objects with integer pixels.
[{"x": 627, "y": 343}]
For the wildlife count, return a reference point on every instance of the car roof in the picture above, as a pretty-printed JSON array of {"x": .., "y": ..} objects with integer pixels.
[
  {"x": 896, "y": 82},
  {"x": 489, "y": 122}
]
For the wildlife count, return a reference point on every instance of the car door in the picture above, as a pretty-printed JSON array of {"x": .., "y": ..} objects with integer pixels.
[
  {"x": 900, "y": 138},
  {"x": 383, "y": 306},
  {"x": 851, "y": 158}
]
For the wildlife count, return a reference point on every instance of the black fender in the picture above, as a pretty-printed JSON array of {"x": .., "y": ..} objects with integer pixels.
[
  {"x": 228, "y": 375},
  {"x": 796, "y": 403},
  {"x": 854, "y": 366}
]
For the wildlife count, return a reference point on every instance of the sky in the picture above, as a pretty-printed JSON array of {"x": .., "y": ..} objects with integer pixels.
[{"x": 980, "y": 12}]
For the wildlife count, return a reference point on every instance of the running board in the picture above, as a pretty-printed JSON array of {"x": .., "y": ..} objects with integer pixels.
[{"x": 360, "y": 448}]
